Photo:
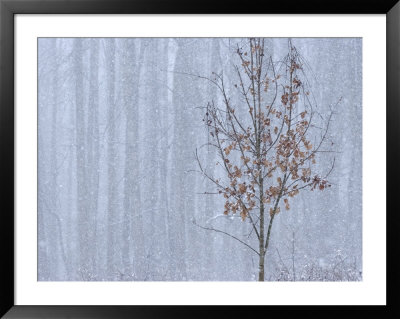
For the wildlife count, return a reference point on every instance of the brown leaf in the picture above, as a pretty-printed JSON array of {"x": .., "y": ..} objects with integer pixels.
[{"x": 242, "y": 188}]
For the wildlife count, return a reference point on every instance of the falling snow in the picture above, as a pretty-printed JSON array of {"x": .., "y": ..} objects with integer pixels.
[{"x": 120, "y": 193}]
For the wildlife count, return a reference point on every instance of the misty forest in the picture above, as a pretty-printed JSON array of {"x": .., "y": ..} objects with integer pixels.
[{"x": 199, "y": 159}]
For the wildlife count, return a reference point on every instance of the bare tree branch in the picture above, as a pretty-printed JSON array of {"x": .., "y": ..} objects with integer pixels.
[{"x": 225, "y": 233}]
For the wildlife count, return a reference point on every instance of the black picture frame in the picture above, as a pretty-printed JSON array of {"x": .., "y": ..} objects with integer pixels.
[{"x": 8, "y": 8}]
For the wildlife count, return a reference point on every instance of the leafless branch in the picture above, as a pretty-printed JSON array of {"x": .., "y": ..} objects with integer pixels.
[{"x": 225, "y": 233}]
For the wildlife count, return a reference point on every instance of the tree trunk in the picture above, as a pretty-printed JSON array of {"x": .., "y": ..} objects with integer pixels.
[
  {"x": 129, "y": 100},
  {"x": 111, "y": 162},
  {"x": 262, "y": 256},
  {"x": 261, "y": 267},
  {"x": 262, "y": 250},
  {"x": 81, "y": 179},
  {"x": 92, "y": 141}
]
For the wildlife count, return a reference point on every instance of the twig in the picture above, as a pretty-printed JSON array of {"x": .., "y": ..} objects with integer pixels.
[{"x": 221, "y": 231}]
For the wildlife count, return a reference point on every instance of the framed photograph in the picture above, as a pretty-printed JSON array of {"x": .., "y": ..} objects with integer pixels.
[{"x": 173, "y": 154}]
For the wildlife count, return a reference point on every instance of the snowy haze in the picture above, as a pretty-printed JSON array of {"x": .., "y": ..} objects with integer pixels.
[{"x": 119, "y": 188}]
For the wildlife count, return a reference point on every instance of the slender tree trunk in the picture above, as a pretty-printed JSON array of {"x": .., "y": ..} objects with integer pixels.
[
  {"x": 151, "y": 184},
  {"x": 44, "y": 271},
  {"x": 133, "y": 167},
  {"x": 93, "y": 151},
  {"x": 262, "y": 250},
  {"x": 179, "y": 184},
  {"x": 53, "y": 167},
  {"x": 70, "y": 218},
  {"x": 267, "y": 239},
  {"x": 81, "y": 160},
  {"x": 261, "y": 239},
  {"x": 164, "y": 154},
  {"x": 112, "y": 160},
  {"x": 261, "y": 267},
  {"x": 128, "y": 98}
]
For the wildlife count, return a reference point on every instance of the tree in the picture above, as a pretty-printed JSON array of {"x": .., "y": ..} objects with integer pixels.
[
  {"x": 112, "y": 158},
  {"x": 268, "y": 152},
  {"x": 81, "y": 171},
  {"x": 93, "y": 154}
]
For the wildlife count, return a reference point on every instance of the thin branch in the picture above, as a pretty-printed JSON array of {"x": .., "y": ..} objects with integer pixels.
[{"x": 222, "y": 232}]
